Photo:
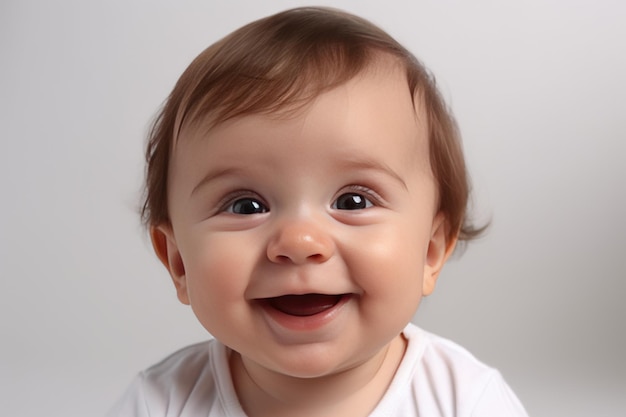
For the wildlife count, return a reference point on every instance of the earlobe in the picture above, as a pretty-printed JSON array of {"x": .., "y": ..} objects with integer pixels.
[
  {"x": 165, "y": 247},
  {"x": 440, "y": 248}
]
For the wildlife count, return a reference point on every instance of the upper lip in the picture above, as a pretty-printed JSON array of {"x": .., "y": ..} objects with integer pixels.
[
  {"x": 302, "y": 293},
  {"x": 279, "y": 282},
  {"x": 269, "y": 293}
]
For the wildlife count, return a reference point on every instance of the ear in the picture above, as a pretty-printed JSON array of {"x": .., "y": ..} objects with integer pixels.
[
  {"x": 164, "y": 245},
  {"x": 440, "y": 247}
]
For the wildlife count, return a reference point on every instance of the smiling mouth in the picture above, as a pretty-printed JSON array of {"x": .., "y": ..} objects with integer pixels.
[{"x": 304, "y": 305}]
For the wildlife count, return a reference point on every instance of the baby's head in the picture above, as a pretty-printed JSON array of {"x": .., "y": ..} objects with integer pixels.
[
  {"x": 283, "y": 62},
  {"x": 305, "y": 185}
]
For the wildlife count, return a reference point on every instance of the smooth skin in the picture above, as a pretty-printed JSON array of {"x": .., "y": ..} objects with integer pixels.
[{"x": 337, "y": 198}]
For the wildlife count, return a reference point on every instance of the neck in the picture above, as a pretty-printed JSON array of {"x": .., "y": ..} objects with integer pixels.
[{"x": 354, "y": 391}]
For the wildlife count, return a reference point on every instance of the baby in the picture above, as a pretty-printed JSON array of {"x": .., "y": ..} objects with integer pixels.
[{"x": 305, "y": 186}]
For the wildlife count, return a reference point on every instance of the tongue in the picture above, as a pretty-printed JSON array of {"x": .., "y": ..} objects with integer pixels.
[{"x": 304, "y": 305}]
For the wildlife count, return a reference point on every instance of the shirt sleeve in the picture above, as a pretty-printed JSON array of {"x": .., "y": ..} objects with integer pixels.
[
  {"x": 133, "y": 402},
  {"x": 497, "y": 400}
]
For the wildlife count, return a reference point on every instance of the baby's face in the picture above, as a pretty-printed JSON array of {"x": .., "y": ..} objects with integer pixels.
[{"x": 306, "y": 242}]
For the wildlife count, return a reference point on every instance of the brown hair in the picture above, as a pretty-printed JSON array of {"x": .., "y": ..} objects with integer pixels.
[{"x": 286, "y": 60}]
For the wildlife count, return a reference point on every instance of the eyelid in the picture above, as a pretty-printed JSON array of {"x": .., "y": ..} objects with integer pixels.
[
  {"x": 224, "y": 204},
  {"x": 367, "y": 192}
]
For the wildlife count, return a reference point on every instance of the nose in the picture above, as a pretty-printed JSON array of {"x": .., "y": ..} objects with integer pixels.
[{"x": 300, "y": 242}]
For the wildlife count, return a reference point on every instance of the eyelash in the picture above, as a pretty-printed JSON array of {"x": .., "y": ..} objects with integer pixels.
[
  {"x": 226, "y": 204},
  {"x": 371, "y": 197}
]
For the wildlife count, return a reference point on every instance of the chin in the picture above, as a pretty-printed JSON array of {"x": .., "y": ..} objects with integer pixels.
[{"x": 310, "y": 362}]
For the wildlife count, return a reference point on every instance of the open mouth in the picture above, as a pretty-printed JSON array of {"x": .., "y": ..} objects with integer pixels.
[{"x": 304, "y": 305}]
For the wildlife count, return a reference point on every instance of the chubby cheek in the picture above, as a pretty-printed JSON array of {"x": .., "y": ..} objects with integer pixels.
[
  {"x": 389, "y": 268},
  {"x": 217, "y": 271}
]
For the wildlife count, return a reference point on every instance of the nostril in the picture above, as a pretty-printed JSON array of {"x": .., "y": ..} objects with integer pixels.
[
  {"x": 282, "y": 259},
  {"x": 316, "y": 258}
]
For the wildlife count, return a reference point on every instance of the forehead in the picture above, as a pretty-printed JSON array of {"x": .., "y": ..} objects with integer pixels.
[
  {"x": 377, "y": 97},
  {"x": 369, "y": 121}
]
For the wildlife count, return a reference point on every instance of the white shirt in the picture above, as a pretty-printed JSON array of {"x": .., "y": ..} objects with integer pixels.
[{"x": 436, "y": 378}]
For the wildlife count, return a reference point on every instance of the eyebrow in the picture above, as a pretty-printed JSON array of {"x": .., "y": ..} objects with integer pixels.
[
  {"x": 351, "y": 163},
  {"x": 369, "y": 164},
  {"x": 211, "y": 175}
]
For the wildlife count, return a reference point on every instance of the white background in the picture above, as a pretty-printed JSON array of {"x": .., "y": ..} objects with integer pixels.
[{"x": 538, "y": 88}]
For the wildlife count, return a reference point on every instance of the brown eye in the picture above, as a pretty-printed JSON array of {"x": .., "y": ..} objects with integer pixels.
[
  {"x": 352, "y": 201},
  {"x": 247, "y": 206}
]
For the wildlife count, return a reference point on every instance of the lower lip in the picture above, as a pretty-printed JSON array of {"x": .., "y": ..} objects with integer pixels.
[{"x": 305, "y": 323}]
